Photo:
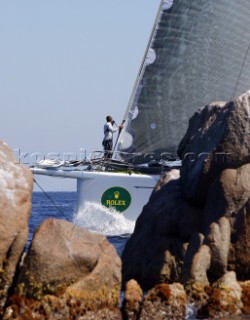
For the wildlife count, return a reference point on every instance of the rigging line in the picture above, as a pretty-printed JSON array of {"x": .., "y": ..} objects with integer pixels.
[
  {"x": 62, "y": 213},
  {"x": 241, "y": 70},
  {"x": 46, "y": 194}
]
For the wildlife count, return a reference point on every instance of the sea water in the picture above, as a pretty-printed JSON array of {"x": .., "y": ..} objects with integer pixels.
[{"x": 62, "y": 205}]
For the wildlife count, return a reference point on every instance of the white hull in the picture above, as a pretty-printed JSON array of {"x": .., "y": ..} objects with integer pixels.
[{"x": 125, "y": 192}]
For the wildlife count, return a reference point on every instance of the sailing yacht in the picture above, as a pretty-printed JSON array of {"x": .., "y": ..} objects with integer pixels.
[{"x": 197, "y": 53}]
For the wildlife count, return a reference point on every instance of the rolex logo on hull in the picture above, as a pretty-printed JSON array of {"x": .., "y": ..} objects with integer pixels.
[{"x": 117, "y": 198}]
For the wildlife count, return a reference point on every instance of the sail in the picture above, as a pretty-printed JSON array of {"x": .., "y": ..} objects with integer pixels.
[{"x": 198, "y": 52}]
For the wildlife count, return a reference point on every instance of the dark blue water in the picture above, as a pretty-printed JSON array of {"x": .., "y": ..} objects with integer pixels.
[{"x": 61, "y": 205}]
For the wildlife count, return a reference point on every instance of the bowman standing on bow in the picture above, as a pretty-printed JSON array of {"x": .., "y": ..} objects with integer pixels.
[{"x": 108, "y": 136}]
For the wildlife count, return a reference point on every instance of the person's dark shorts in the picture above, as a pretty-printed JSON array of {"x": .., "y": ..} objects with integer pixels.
[{"x": 107, "y": 144}]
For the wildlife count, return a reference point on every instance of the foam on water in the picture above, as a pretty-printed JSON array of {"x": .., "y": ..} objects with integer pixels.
[
  {"x": 97, "y": 218},
  {"x": 190, "y": 312}
]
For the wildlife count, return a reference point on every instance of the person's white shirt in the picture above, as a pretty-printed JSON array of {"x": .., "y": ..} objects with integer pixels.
[{"x": 109, "y": 130}]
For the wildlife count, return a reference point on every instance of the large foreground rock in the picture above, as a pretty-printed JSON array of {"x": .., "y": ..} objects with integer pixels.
[
  {"x": 218, "y": 137},
  {"x": 196, "y": 227},
  {"x": 70, "y": 269},
  {"x": 16, "y": 183}
]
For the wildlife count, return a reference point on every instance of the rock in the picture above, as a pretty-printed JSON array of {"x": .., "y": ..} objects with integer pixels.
[
  {"x": 154, "y": 253},
  {"x": 132, "y": 300},
  {"x": 164, "y": 302},
  {"x": 198, "y": 295},
  {"x": 239, "y": 257},
  {"x": 200, "y": 264},
  {"x": 165, "y": 178},
  {"x": 52, "y": 307},
  {"x": 196, "y": 261},
  {"x": 226, "y": 296},
  {"x": 245, "y": 286},
  {"x": 196, "y": 229},
  {"x": 227, "y": 195},
  {"x": 70, "y": 263},
  {"x": 16, "y": 185},
  {"x": 217, "y": 139},
  {"x": 218, "y": 241},
  {"x": 235, "y": 189},
  {"x": 211, "y": 199},
  {"x": 228, "y": 201}
]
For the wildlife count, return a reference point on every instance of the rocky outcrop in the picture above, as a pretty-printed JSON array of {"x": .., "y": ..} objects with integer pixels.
[
  {"x": 161, "y": 302},
  {"x": 164, "y": 302},
  {"x": 224, "y": 299},
  {"x": 196, "y": 228},
  {"x": 16, "y": 183},
  {"x": 69, "y": 271},
  {"x": 217, "y": 138}
]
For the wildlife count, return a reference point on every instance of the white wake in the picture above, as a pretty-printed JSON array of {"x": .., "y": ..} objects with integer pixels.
[{"x": 97, "y": 218}]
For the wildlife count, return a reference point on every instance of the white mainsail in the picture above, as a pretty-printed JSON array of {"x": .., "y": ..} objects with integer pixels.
[{"x": 197, "y": 53}]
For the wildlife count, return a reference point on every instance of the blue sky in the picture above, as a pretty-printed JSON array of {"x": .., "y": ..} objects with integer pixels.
[{"x": 65, "y": 65}]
